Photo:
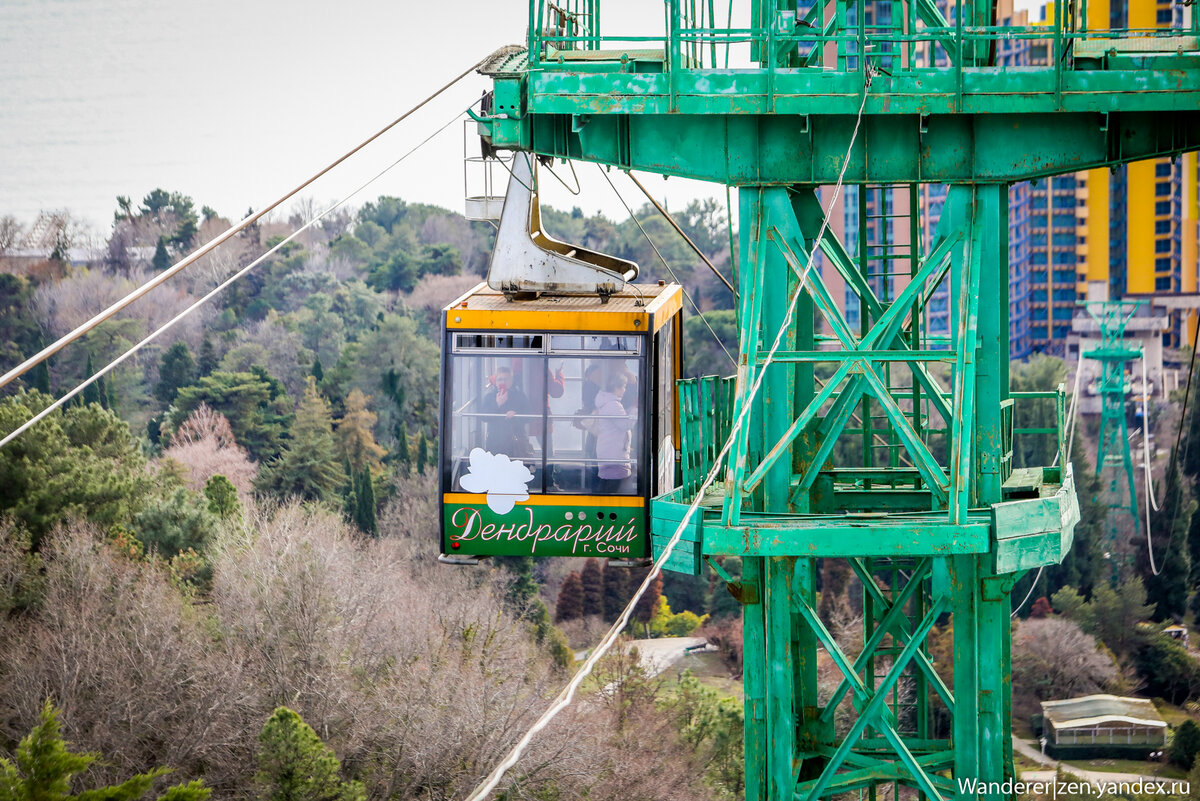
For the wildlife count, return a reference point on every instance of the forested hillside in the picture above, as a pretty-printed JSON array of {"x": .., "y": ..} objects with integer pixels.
[{"x": 243, "y": 517}]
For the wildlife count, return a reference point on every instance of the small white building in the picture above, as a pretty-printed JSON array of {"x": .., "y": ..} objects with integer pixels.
[{"x": 1100, "y": 724}]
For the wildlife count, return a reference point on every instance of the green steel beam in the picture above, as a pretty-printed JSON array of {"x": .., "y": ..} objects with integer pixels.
[{"x": 745, "y": 149}]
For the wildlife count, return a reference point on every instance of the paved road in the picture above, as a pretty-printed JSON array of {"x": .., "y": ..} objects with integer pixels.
[
  {"x": 1094, "y": 777},
  {"x": 659, "y": 654}
]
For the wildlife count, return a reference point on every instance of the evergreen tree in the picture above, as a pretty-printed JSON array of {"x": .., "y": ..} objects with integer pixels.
[
  {"x": 222, "y": 497},
  {"x": 254, "y": 402},
  {"x": 41, "y": 376},
  {"x": 355, "y": 440},
  {"x": 91, "y": 393},
  {"x": 647, "y": 605},
  {"x": 1193, "y": 547},
  {"x": 592, "y": 578},
  {"x": 318, "y": 372},
  {"x": 162, "y": 259},
  {"x": 422, "y": 452},
  {"x": 1186, "y": 745},
  {"x": 403, "y": 457},
  {"x": 294, "y": 765},
  {"x": 207, "y": 362},
  {"x": 615, "y": 579},
  {"x": 176, "y": 370},
  {"x": 1168, "y": 591},
  {"x": 309, "y": 467},
  {"x": 45, "y": 768},
  {"x": 570, "y": 600},
  {"x": 722, "y": 604},
  {"x": 364, "y": 511}
]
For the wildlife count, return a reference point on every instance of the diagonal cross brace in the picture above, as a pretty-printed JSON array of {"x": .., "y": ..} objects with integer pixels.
[
  {"x": 797, "y": 426},
  {"x": 900, "y": 630},
  {"x": 875, "y": 713},
  {"x": 889, "y": 622}
]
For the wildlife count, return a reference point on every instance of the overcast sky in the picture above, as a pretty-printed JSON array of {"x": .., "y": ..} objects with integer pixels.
[{"x": 234, "y": 102}]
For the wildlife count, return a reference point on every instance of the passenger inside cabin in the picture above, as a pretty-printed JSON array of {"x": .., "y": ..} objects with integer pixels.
[
  {"x": 504, "y": 402},
  {"x": 613, "y": 430}
]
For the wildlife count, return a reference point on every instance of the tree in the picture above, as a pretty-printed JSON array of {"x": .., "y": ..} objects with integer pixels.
[
  {"x": 20, "y": 335},
  {"x": 1115, "y": 614},
  {"x": 1186, "y": 745},
  {"x": 355, "y": 438},
  {"x": 1168, "y": 590},
  {"x": 204, "y": 443},
  {"x": 705, "y": 354},
  {"x": 1041, "y": 609},
  {"x": 207, "y": 361},
  {"x": 422, "y": 452},
  {"x": 172, "y": 524},
  {"x": 222, "y": 497},
  {"x": 1167, "y": 668},
  {"x": 592, "y": 579},
  {"x": 161, "y": 259},
  {"x": 309, "y": 467},
  {"x": 318, "y": 372},
  {"x": 44, "y": 770},
  {"x": 95, "y": 391},
  {"x": 78, "y": 462},
  {"x": 615, "y": 580},
  {"x": 294, "y": 765},
  {"x": 643, "y": 612},
  {"x": 364, "y": 503},
  {"x": 254, "y": 402},
  {"x": 1053, "y": 658},
  {"x": 176, "y": 370},
  {"x": 1071, "y": 605},
  {"x": 570, "y": 600},
  {"x": 403, "y": 458}
]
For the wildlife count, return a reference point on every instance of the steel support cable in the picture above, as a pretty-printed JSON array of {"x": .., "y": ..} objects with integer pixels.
[
  {"x": 211, "y": 294},
  {"x": 1150, "y": 500},
  {"x": 680, "y": 231},
  {"x": 1176, "y": 498},
  {"x": 654, "y": 247},
  {"x": 208, "y": 247},
  {"x": 564, "y": 698},
  {"x": 1072, "y": 412},
  {"x": 1032, "y": 587}
]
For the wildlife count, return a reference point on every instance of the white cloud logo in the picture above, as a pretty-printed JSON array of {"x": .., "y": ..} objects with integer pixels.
[{"x": 502, "y": 478}]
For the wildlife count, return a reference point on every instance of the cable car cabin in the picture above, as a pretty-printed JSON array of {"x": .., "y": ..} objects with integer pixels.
[{"x": 558, "y": 421}]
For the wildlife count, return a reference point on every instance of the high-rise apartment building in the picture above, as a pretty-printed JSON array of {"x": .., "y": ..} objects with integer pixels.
[{"x": 1073, "y": 237}]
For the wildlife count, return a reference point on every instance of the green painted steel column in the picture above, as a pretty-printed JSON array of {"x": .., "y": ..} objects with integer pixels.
[{"x": 991, "y": 387}]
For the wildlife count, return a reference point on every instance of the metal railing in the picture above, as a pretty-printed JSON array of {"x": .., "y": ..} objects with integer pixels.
[
  {"x": 1011, "y": 433},
  {"x": 895, "y": 37}
]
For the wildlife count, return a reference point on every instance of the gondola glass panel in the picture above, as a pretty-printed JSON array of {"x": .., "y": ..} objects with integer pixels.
[{"x": 556, "y": 417}]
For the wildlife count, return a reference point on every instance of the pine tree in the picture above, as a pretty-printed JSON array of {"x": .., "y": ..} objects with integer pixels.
[
  {"x": 162, "y": 259},
  {"x": 592, "y": 578},
  {"x": 648, "y": 603},
  {"x": 294, "y": 765},
  {"x": 41, "y": 376},
  {"x": 422, "y": 452},
  {"x": 318, "y": 372},
  {"x": 364, "y": 512},
  {"x": 222, "y": 497},
  {"x": 1168, "y": 591},
  {"x": 44, "y": 770},
  {"x": 615, "y": 579},
  {"x": 570, "y": 600},
  {"x": 91, "y": 393},
  {"x": 176, "y": 370},
  {"x": 403, "y": 456},
  {"x": 308, "y": 468},
  {"x": 356, "y": 442},
  {"x": 207, "y": 360}
]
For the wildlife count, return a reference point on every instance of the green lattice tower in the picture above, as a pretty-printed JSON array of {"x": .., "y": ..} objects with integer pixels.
[
  {"x": 941, "y": 532},
  {"x": 1114, "y": 462}
]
